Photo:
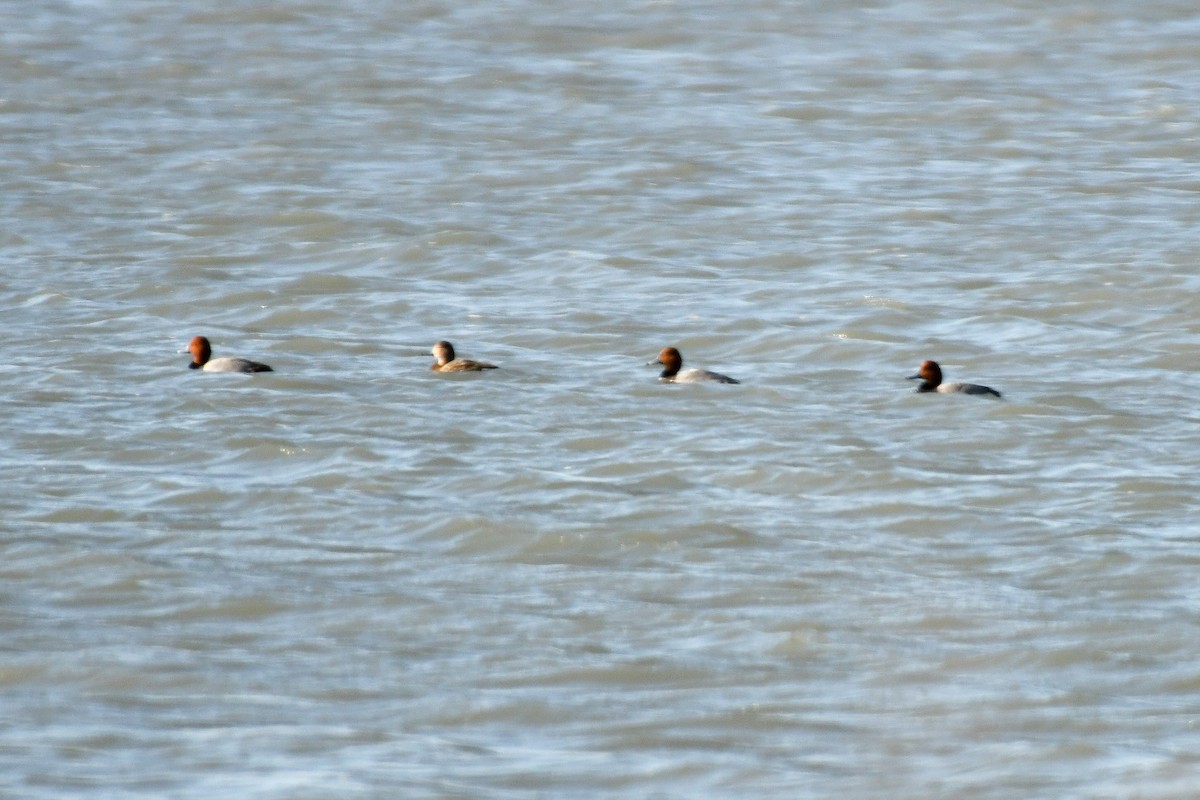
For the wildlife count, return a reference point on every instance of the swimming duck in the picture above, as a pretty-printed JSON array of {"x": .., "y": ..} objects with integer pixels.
[
  {"x": 202, "y": 358},
  {"x": 930, "y": 375},
  {"x": 443, "y": 351},
  {"x": 672, "y": 361}
]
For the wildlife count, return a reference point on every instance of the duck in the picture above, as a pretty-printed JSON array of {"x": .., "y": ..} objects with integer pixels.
[
  {"x": 930, "y": 375},
  {"x": 443, "y": 351},
  {"x": 202, "y": 358},
  {"x": 672, "y": 361}
]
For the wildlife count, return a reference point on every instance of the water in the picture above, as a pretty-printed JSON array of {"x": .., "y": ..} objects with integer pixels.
[{"x": 352, "y": 578}]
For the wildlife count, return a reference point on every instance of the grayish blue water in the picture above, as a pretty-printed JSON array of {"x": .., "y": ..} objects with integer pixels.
[{"x": 353, "y": 578}]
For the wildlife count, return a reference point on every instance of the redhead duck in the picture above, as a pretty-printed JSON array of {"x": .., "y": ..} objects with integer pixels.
[
  {"x": 443, "y": 351},
  {"x": 202, "y": 358},
  {"x": 930, "y": 375},
  {"x": 672, "y": 361}
]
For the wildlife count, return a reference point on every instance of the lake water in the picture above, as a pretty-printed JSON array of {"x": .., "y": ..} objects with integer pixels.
[{"x": 352, "y": 578}]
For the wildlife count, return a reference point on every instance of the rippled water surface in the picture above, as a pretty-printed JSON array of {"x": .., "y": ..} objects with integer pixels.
[{"x": 354, "y": 578}]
